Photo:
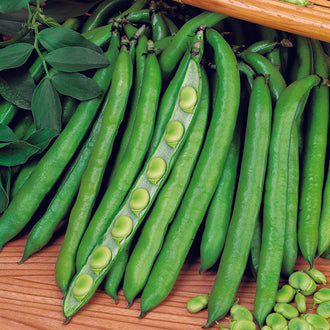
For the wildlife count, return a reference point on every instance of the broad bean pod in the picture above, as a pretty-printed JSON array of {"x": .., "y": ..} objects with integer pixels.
[{"x": 139, "y": 199}]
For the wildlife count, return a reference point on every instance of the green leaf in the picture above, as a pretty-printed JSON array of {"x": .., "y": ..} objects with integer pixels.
[
  {"x": 61, "y": 10},
  {"x": 76, "y": 85},
  {"x": 6, "y": 134},
  {"x": 15, "y": 55},
  {"x": 16, "y": 153},
  {"x": 17, "y": 87},
  {"x": 41, "y": 138},
  {"x": 58, "y": 37},
  {"x": 5, "y": 175},
  {"x": 74, "y": 59},
  {"x": 7, "y": 6},
  {"x": 46, "y": 106}
]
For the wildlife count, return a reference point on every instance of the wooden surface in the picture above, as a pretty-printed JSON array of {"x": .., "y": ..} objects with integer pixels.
[
  {"x": 312, "y": 21},
  {"x": 30, "y": 299}
]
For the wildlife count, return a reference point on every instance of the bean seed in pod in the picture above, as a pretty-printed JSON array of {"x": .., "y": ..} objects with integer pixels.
[
  {"x": 156, "y": 169},
  {"x": 123, "y": 225},
  {"x": 286, "y": 310},
  {"x": 174, "y": 133},
  {"x": 266, "y": 327},
  {"x": 82, "y": 286},
  {"x": 101, "y": 258},
  {"x": 323, "y": 309},
  {"x": 139, "y": 200},
  {"x": 285, "y": 294},
  {"x": 188, "y": 98}
]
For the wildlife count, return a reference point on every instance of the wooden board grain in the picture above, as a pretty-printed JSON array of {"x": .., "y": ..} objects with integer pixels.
[
  {"x": 311, "y": 21},
  {"x": 30, "y": 299}
]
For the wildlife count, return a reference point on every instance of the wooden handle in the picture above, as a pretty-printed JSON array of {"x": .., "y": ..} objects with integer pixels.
[{"x": 311, "y": 21}]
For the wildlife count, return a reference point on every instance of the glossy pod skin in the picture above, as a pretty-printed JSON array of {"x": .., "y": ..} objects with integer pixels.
[
  {"x": 220, "y": 208},
  {"x": 152, "y": 235},
  {"x": 313, "y": 163},
  {"x": 275, "y": 196},
  {"x": 21, "y": 209},
  {"x": 171, "y": 55},
  {"x": 139, "y": 200},
  {"x": 130, "y": 165},
  {"x": 113, "y": 112},
  {"x": 44, "y": 229},
  {"x": 247, "y": 202},
  {"x": 204, "y": 179}
]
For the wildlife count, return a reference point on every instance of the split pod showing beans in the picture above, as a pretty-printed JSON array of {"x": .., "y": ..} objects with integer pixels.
[{"x": 144, "y": 190}]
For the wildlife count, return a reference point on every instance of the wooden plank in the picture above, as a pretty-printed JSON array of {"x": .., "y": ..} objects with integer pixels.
[
  {"x": 30, "y": 299},
  {"x": 312, "y": 20}
]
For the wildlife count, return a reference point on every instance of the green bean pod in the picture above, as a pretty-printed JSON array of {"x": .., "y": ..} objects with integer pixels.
[
  {"x": 101, "y": 13},
  {"x": 133, "y": 158},
  {"x": 113, "y": 112},
  {"x": 43, "y": 230},
  {"x": 247, "y": 202},
  {"x": 324, "y": 229},
  {"x": 274, "y": 55},
  {"x": 290, "y": 251},
  {"x": 50, "y": 167},
  {"x": 139, "y": 16},
  {"x": 159, "y": 27},
  {"x": 203, "y": 181},
  {"x": 300, "y": 59},
  {"x": 314, "y": 161},
  {"x": 262, "y": 65},
  {"x": 220, "y": 208},
  {"x": 152, "y": 235},
  {"x": 140, "y": 197},
  {"x": 115, "y": 275},
  {"x": 275, "y": 196},
  {"x": 171, "y": 26},
  {"x": 171, "y": 55},
  {"x": 254, "y": 258}
]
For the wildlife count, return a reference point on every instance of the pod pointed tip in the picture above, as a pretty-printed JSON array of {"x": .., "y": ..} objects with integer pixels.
[
  {"x": 142, "y": 314},
  {"x": 67, "y": 320}
]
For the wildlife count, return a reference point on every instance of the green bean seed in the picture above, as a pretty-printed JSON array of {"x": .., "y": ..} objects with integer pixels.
[
  {"x": 123, "y": 224},
  {"x": 300, "y": 301},
  {"x": 188, "y": 98},
  {"x": 174, "y": 133},
  {"x": 239, "y": 312},
  {"x": 298, "y": 323},
  {"x": 285, "y": 294},
  {"x": 303, "y": 282},
  {"x": 243, "y": 325},
  {"x": 276, "y": 321},
  {"x": 101, "y": 257},
  {"x": 197, "y": 303},
  {"x": 286, "y": 310},
  {"x": 156, "y": 169},
  {"x": 317, "y": 321},
  {"x": 316, "y": 275},
  {"x": 82, "y": 285},
  {"x": 139, "y": 200},
  {"x": 322, "y": 295},
  {"x": 266, "y": 327},
  {"x": 323, "y": 309}
]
